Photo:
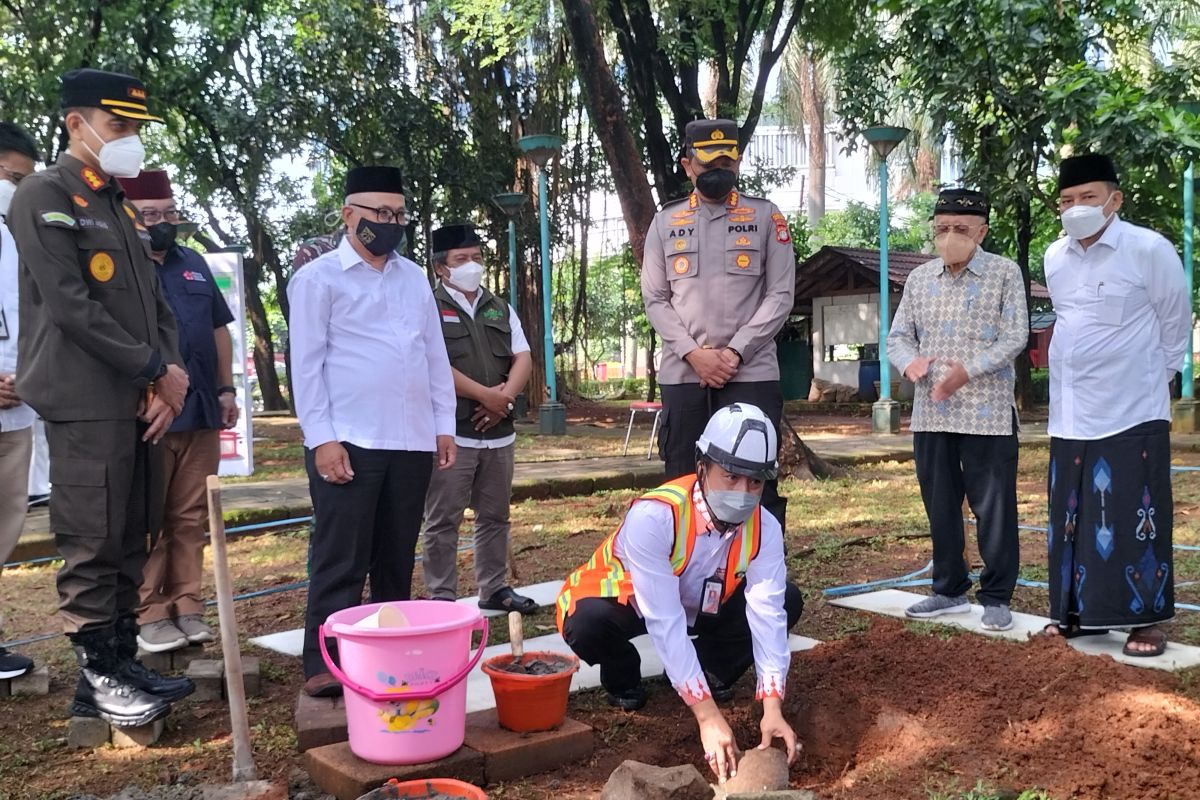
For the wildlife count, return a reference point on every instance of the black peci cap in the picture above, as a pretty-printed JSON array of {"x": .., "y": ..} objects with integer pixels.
[
  {"x": 961, "y": 201},
  {"x": 455, "y": 236},
  {"x": 1087, "y": 168},
  {"x": 374, "y": 179}
]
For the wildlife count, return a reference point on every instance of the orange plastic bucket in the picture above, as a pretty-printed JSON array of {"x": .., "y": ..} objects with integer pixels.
[
  {"x": 397, "y": 790},
  {"x": 531, "y": 702}
]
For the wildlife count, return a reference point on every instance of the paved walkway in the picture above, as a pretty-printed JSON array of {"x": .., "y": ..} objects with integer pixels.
[{"x": 288, "y": 497}]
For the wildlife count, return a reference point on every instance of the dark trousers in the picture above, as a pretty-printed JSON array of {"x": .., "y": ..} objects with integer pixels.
[
  {"x": 600, "y": 630},
  {"x": 368, "y": 526},
  {"x": 102, "y": 511},
  {"x": 984, "y": 470},
  {"x": 686, "y": 410}
]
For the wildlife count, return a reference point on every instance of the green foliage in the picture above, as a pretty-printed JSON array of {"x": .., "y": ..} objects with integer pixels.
[
  {"x": 857, "y": 225},
  {"x": 801, "y": 235}
]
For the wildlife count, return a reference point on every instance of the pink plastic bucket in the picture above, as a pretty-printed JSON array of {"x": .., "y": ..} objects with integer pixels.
[{"x": 406, "y": 691}]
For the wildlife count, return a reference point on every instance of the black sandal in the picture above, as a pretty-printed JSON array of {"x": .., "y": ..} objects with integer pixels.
[
  {"x": 508, "y": 600},
  {"x": 1071, "y": 631}
]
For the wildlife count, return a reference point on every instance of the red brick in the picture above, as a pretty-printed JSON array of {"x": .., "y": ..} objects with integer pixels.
[
  {"x": 319, "y": 721},
  {"x": 509, "y": 756},
  {"x": 347, "y": 777}
]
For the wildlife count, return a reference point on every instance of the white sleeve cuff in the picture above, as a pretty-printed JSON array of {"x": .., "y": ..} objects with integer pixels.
[{"x": 317, "y": 434}]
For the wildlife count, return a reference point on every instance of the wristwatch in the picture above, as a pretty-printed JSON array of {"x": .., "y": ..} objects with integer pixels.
[{"x": 225, "y": 390}]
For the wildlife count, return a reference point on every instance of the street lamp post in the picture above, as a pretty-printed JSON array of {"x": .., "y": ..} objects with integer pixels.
[
  {"x": 552, "y": 415},
  {"x": 885, "y": 414},
  {"x": 511, "y": 204},
  {"x": 1186, "y": 414}
]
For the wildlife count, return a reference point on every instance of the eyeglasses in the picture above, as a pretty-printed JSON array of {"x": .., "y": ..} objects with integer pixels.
[
  {"x": 153, "y": 216},
  {"x": 962, "y": 230},
  {"x": 386, "y": 215},
  {"x": 15, "y": 177}
]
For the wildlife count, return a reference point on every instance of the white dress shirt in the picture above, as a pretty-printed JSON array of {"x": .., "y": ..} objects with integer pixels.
[
  {"x": 519, "y": 345},
  {"x": 671, "y": 604},
  {"x": 369, "y": 363},
  {"x": 1121, "y": 334},
  {"x": 22, "y": 416}
]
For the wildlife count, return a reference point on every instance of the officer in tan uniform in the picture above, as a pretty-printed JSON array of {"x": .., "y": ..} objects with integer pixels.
[
  {"x": 100, "y": 363},
  {"x": 718, "y": 278}
]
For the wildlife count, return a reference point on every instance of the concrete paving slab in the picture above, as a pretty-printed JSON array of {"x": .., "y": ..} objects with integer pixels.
[{"x": 892, "y": 602}]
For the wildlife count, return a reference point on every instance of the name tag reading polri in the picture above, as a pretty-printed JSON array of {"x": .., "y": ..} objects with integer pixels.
[{"x": 710, "y": 600}]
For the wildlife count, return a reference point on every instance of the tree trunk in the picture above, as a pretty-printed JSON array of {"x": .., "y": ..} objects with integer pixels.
[
  {"x": 797, "y": 460},
  {"x": 651, "y": 372},
  {"x": 1024, "y": 387},
  {"x": 264, "y": 348},
  {"x": 812, "y": 99},
  {"x": 267, "y": 254},
  {"x": 610, "y": 123}
]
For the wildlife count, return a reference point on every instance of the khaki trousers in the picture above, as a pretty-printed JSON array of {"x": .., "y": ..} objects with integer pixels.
[
  {"x": 15, "y": 449},
  {"x": 482, "y": 479},
  {"x": 175, "y": 569}
]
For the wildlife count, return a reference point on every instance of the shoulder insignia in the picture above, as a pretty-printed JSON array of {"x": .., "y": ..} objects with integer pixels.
[
  {"x": 59, "y": 218},
  {"x": 91, "y": 178},
  {"x": 782, "y": 234},
  {"x": 79, "y": 200}
]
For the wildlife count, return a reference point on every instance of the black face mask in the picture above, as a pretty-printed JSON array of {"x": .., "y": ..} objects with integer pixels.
[
  {"x": 380, "y": 238},
  {"x": 716, "y": 183},
  {"x": 162, "y": 236}
]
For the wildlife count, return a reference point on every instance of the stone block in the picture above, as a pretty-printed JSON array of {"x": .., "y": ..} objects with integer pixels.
[
  {"x": 209, "y": 677},
  {"x": 508, "y": 756},
  {"x": 34, "y": 682},
  {"x": 634, "y": 780},
  {"x": 251, "y": 676},
  {"x": 87, "y": 732},
  {"x": 759, "y": 771},
  {"x": 247, "y": 790},
  {"x": 173, "y": 660},
  {"x": 319, "y": 721},
  {"x": 141, "y": 736},
  {"x": 347, "y": 777}
]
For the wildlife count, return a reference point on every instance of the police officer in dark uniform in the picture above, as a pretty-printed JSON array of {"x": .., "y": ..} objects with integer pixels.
[
  {"x": 718, "y": 279},
  {"x": 100, "y": 363}
]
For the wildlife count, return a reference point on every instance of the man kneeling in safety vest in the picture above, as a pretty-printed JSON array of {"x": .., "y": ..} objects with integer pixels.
[{"x": 698, "y": 558}]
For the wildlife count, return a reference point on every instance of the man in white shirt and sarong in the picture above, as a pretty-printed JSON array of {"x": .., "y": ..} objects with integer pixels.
[
  {"x": 696, "y": 557},
  {"x": 1123, "y": 320},
  {"x": 375, "y": 399}
]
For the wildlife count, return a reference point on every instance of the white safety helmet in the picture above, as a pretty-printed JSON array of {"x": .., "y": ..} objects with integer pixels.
[{"x": 742, "y": 440}]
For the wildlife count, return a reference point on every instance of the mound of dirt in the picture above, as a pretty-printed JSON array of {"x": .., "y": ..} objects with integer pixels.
[{"x": 886, "y": 713}]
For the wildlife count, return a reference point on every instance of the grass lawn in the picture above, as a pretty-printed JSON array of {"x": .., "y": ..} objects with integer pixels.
[{"x": 849, "y": 530}]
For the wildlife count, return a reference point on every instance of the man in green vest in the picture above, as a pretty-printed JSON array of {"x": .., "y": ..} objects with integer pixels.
[{"x": 489, "y": 357}]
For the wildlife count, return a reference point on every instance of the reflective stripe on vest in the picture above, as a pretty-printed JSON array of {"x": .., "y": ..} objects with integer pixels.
[{"x": 605, "y": 576}]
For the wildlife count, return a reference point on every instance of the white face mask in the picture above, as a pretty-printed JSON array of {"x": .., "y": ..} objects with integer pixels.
[
  {"x": 121, "y": 158},
  {"x": 1082, "y": 222},
  {"x": 467, "y": 277},
  {"x": 7, "y": 190}
]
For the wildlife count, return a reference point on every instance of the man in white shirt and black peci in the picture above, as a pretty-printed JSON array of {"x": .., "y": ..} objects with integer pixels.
[
  {"x": 1123, "y": 320},
  {"x": 375, "y": 398}
]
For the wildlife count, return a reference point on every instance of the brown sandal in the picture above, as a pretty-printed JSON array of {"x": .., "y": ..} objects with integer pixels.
[{"x": 1150, "y": 635}]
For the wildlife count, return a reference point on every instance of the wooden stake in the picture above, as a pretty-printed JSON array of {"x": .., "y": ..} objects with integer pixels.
[
  {"x": 516, "y": 634},
  {"x": 243, "y": 755}
]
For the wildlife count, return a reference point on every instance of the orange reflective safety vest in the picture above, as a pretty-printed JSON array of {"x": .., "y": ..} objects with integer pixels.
[{"x": 605, "y": 576}]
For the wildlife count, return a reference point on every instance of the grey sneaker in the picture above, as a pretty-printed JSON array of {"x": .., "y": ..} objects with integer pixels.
[
  {"x": 161, "y": 636},
  {"x": 936, "y": 605},
  {"x": 194, "y": 628},
  {"x": 996, "y": 618}
]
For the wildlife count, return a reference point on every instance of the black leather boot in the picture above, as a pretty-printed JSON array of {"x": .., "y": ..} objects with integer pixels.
[
  {"x": 102, "y": 692},
  {"x": 141, "y": 676}
]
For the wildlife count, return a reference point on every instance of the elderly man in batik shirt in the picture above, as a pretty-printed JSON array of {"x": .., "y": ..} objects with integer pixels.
[{"x": 961, "y": 322}]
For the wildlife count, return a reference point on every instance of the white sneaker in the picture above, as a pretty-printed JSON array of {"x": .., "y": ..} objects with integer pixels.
[{"x": 160, "y": 637}]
